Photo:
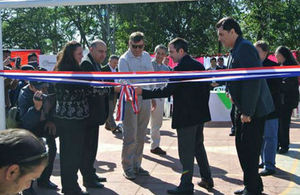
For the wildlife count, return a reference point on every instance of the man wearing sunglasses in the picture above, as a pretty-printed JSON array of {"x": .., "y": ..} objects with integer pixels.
[
  {"x": 135, "y": 59},
  {"x": 23, "y": 157}
]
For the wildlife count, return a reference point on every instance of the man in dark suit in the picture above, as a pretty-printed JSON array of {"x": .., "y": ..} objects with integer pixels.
[
  {"x": 253, "y": 102},
  {"x": 190, "y": 113},
  {"x": 98, "y": 111},
  {"x": 110, "y": 123}
]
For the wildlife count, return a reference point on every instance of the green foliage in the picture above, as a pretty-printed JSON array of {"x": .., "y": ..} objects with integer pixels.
[
  {"x": 274, "y": 21},
  {"x": 48, "y": 29},
  {"x": 162, "y": 22}
]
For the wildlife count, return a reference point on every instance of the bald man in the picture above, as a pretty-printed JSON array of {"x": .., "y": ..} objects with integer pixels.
[{"x": 98, "y": 111}]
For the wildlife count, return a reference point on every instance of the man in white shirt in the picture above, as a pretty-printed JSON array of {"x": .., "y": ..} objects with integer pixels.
[
  {"x": 135, "y": 59},
  {"x": 159, "y": 63}
]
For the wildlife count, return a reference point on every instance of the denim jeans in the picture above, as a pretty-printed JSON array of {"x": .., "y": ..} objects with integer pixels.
[{"x": 269, "y": 146}]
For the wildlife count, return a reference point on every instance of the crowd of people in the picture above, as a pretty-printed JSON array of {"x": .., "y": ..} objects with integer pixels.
[{"x": 261, "y": 114}]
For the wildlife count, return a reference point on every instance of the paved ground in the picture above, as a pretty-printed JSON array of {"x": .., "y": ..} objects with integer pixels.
[{"x": 165, "y": 170}]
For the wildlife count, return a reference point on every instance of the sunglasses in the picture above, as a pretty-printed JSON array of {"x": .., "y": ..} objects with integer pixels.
[
  {"x": 137, "y": 46},
  {"x": 33, "y": 158}
]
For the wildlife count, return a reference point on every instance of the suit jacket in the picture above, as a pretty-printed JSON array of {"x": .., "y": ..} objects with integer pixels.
[
  {"x": 289, "y": 90},
  {"x": 98, "y": 104},
  {"x": 274, "y": 86},
  {"x": 190, "y": 100},
  {"x": 251, "y": 97}
]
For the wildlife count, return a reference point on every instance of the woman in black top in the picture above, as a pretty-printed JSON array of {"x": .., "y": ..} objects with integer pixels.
[
  {"x": 289, "y": 96},
  {"x": 71, "y": 115}
]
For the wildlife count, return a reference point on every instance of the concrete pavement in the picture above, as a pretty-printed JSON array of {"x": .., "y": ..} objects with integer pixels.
[{"x": 165, "y": 170}]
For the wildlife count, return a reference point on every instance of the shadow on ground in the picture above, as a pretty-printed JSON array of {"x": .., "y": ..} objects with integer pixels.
[{"x": 175, "y": 165}]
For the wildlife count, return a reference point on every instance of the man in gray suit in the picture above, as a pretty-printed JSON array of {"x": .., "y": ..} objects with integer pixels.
[{"x": 253, "y": 102}]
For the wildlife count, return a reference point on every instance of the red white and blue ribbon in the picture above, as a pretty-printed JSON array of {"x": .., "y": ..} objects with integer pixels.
[
  {"x": 127, "y": 93},
  {"x": 94, "y": 76}
]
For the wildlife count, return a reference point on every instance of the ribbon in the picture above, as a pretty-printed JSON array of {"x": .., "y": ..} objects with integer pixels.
[
  {"x": 127, "y": 93},
  {"x": 295, "y": 70}
]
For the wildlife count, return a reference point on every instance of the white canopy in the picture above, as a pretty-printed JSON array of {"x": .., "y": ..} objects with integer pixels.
[{"x": 46, "y": 3}]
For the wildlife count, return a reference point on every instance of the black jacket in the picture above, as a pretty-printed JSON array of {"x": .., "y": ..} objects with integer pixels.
[
  {"x": 251, "y": 97},
  {"x": 190, "y": 100},
  {"x": 289, "y": 91},
  {"x": 98, "y": 104},
  {"x": 274, "y": 86},
  {"x": 29, "y": 116}
]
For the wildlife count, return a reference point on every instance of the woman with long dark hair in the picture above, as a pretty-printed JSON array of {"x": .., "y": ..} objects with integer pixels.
[
  {"x": 289, "y": 95},
  {"x": 72, "y": 112}
]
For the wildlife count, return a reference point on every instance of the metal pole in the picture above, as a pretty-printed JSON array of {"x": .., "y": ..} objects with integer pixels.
[{"x": 2, "y": 100}]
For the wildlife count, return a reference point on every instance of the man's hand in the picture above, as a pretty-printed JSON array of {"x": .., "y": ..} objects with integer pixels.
[
  {"x": 138, "y": 90},
  {"x": 50, "y": 127},
  {"x": 214, "y": 84},
  {"x": 153, "y": 107},
  {"x": 165, "y": 61},
  {"x": 37, "y": 100},
  {"x": 6, "y": 62},
  {"x": 245, "y": 118},
  {"x": 117, "y": 89}
]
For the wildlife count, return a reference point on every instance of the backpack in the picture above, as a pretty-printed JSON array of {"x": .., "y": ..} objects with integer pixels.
[{"x": 12, "y": 118}]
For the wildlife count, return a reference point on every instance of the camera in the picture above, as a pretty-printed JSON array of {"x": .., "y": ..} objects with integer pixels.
[
  {"x": 17, "y": 61},
  {"x": 42, "y": 98}
]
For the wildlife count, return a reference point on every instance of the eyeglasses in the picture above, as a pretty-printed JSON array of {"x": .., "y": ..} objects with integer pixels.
[
  {"x": 33, "y": 158},
  {"x": 137, "y": 46}
]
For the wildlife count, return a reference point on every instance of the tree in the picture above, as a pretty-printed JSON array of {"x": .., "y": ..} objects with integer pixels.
[
  {"x": 275, "y": 21},
  {"x": 35, "y": 28},
  {"x": 161, "y": 22}
]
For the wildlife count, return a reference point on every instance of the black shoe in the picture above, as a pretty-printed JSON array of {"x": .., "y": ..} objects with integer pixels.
[
  {"x": 158, "y": 151},
  {"x": 283, "y": 150},
  {"x": 76, "y": 193},
  {"x": 29, "y": 191},
  {"x": 206, "y": 184},
  {"x": 239, "y": 191},
  {"x": 100, "y": 179},
  {"x": 47, "y": 184},
  {"x": 129, "y": 175},
  {"x": 178, "y": 190},
  {"x": 246, "y": 192},
  {"x": 141, "y": 172},
  {"x": 267, "y": 172},
  {"x": 261, "y": 165},
  {"x": 232, "y": 133},
  {"x": 92, "y": 184}
]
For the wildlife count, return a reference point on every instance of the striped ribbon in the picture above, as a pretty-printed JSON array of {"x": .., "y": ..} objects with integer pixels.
[
  {"x": 94, "y": 76},
  {"x": 127, "y": 93}
]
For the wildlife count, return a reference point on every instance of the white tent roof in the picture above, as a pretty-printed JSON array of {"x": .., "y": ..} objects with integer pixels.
[{"x": 46, "y": 3}]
